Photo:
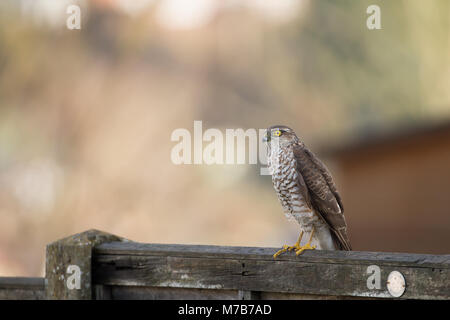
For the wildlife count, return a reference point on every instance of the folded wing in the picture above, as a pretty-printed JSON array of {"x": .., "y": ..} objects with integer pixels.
[{"x": 323, "y": 194}]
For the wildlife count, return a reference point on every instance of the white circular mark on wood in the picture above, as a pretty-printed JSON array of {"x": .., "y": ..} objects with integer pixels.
[{"x": 396, "y": 284}]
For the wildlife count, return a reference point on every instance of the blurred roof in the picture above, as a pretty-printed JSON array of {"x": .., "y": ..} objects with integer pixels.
[{"x": 381, "y": 138}]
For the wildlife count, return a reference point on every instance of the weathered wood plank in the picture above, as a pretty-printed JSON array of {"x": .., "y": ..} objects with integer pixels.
[
  {"x": 332, "y": 273},
  {"x": 319, "y": 256},
  {"x": 22, "y": 288},
  {"x": 248, "y": 295},
  {"x": 102, "y": 292},
  {"x": 164, "y": 293},
  {"x": 168, "y": 293},
  {"x": 68, "y": 265}
]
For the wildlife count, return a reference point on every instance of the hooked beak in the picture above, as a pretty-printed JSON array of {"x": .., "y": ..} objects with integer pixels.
[{"x": 266, "y": 138}]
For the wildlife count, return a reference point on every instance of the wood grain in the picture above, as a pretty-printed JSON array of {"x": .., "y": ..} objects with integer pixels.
[
  {"x": 115, "y": 268},
  {"x": 75, "y": 252},
  {"x": 247, "y": 269},
  {"x": 22, "y": 288}
]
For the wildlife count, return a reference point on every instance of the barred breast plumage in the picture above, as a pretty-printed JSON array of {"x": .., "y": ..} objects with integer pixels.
[
  {"x": 285, "y": 183},
  {"x": 306, "y": 192}
]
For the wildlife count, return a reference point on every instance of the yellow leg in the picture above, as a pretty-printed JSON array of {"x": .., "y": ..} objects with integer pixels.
[
  {"x": 307, "y": 246},
  {"x": 286, "y": 247}
]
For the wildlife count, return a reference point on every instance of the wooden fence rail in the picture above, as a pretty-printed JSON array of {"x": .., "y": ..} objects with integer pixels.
[
  {"x": 21, "y": 288},
  {"x": 96, "y": 265}
]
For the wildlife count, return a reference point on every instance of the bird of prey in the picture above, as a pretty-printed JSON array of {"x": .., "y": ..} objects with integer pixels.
[{"x": 306, "y": 191}]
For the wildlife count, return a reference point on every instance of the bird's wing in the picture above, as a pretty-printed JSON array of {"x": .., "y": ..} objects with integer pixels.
[
  {"x": 304, "y": 191},
  {"x": 324, "y": 196}
]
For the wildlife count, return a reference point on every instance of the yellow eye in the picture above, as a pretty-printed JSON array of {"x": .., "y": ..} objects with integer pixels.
[{"x": 277, "y": 133}]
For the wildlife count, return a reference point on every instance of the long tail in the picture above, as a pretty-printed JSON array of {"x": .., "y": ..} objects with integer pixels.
[{"x": 340, "y": 242}]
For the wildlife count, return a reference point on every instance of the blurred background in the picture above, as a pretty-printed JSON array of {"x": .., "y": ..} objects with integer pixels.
[{"x": 86, "y": 118}]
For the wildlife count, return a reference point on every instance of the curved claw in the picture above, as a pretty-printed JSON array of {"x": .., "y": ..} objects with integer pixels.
[
  {"x": 296, "y": 246},
  {"x": 287, "y": 248},
  {"x": 305, "y": 247}
]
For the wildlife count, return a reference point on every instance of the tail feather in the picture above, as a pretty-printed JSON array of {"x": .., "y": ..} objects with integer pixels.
[{"x": 339, "y": 241}]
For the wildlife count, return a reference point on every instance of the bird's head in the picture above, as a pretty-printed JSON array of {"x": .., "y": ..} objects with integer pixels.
[{"x": 281, "y": 135}]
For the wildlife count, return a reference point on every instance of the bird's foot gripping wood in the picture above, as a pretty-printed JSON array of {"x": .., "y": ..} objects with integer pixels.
[
  {"x": 298, "y": 248},
  {"x": 287, "y": 248},
  {"x": 303, "y": 248}
]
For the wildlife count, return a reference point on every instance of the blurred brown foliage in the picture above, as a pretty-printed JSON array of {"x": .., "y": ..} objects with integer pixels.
[{"x": 86, "y": 115}]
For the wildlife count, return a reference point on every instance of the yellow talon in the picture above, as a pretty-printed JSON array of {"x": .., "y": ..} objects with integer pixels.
[
  {"x": 307, "y": 246},
  {"x": 286, "y": 247},
  {"x": 298, "y": 248},
  {"x": 303, "y": 248}
]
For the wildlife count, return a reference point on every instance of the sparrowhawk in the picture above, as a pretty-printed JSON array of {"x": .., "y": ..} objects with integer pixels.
[{"x": 306, "y": 191}]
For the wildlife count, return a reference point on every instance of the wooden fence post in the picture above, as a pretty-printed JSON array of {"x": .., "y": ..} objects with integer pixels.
[{"x": 68, "y": 265}]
